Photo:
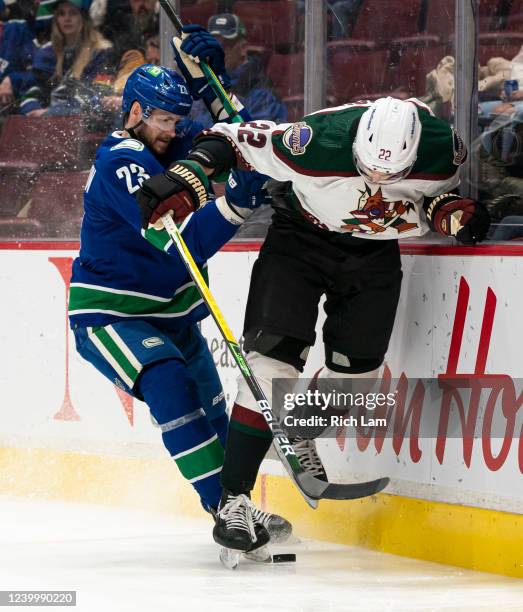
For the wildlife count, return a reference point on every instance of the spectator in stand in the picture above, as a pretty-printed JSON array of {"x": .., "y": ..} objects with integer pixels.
[
  {"x": 343, "y": 15},
  {"x": 133, "y": 26},
  {"x": 36, "y": 83},
  {"x": 248, "y": 80},
  {"x": 152, "y": 50},
  {"x": 17, "y": 46},
  {"x": 129, "y": 23},
  {"x": 84, "y": 64},
  {"x": 500, "y": 153},
  {"x": 131, "y": 59}
]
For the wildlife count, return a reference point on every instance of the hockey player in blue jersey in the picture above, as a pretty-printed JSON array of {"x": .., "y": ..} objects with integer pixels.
[{"x": 133, "y": 307}]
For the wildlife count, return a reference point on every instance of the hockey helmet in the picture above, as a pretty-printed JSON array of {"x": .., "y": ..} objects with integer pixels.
[
  {"x": 386, "y": 143},
  {"x": 156, "y": 87}
]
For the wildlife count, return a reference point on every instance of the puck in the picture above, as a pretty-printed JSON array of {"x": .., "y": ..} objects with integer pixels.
[{"x": 286, "y": 558}]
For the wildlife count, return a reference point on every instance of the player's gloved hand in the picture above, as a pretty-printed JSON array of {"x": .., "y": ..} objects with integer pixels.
[
  {"x": 195, "y": 45},
  {"x": 247, "y": 189},
  {"x": 465, "y": 219},
  {"x": 179, "y": 191}
]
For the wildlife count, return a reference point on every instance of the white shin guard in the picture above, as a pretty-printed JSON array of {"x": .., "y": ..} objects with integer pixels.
[{"x": 265, "y": 369}]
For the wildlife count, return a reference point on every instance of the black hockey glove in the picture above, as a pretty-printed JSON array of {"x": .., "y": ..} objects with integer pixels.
[
  {"x": 181, "y": 190},
  {"x": 465, "y": 219}
]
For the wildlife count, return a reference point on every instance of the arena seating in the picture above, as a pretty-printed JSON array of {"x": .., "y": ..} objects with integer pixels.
[
  {"x": 41, "y": 142},
  {"x": 286, "y": 72},
  {"x": 29, "y": 145},
  {"x": 277, "y": 24},
  {"x": 441, "y": 15},
  {"x": 499, "y": 44},
  {"x": 356, "y": 73},
  {"x": 415, "y": 58},
  {"x": 295, "y": 105},
  {"x": 380, "y": 21},
  {"x": 514, "y": 18},
  {"x": 198, "y": 13},
  {"x": 53, "y": 209}
]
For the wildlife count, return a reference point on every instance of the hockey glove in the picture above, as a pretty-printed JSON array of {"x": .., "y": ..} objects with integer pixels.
[
  {"x": 245, "y": 192},
  {"x": 450, "y": 215},
  {"x": 195, "y": 45},
  {"x": 180, "y": 191}
]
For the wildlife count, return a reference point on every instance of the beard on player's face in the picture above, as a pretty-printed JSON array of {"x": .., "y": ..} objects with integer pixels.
[
  {"x": 156, "y": 131},
  {"x": 155, "y": 139}
]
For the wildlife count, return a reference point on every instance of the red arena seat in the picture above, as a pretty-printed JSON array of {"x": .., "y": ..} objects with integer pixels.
[
  {"x": 198, "y": 13},
  {"x": 381, "y": 20},
  {"x": 29, "y": 145},
  {"x": 275, "y": 24},
  {"x": 440, "y": 19},
  {"x": 41, "y": 142},
  {"x": 514, "y": 18},
  {"x": 286, "y": 72},
  {"x": 53, "y": 209},
  {"x": 416, "y": 60},
  {"x": 294, "y": 106},
  {"x": 499, "y": 44},
  {"x": 355, "y": 72}
]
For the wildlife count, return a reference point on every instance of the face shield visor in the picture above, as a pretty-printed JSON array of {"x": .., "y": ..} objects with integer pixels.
[
  {"x": 162, "y": 120},
  {"x": 378, "y": 176}
]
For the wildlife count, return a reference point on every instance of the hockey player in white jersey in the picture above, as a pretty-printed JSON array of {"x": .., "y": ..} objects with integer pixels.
[{"x": 351, "y": 181}]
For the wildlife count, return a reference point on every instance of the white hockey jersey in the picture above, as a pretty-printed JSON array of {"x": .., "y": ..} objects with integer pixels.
[{"x": 316, "y": 155}]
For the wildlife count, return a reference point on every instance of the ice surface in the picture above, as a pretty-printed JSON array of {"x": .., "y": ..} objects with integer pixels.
[{"x": 126, "y": 560}]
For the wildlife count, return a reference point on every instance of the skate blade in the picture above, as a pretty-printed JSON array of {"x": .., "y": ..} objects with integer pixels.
[
  {"x": 280, "y": 535},
  {"x": 229, "y": 557},
  {"x": 260, "y": 555}
]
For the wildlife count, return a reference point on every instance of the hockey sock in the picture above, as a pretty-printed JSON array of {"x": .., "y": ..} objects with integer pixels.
[
  {"x": 249, "y": 436},
  {"x": 248, "y": 441},
  {"x": 221, "y": 426},
  {"x": 171, "y": 394}
]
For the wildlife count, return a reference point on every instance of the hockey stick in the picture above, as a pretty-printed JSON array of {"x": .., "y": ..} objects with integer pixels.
[
  {"x": 212, "y": 79},
  {"x": 310, "y": 487}
]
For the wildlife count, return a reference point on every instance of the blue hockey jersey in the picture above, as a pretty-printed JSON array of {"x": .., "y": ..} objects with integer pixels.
[{"x": 119, "y": 274}]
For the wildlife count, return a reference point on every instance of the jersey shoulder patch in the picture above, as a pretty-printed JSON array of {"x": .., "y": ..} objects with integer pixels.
[
  {"x": 128, "y": 143},
  {"x": 460, "y": 150},
  {"x": 321, "y": 144}
]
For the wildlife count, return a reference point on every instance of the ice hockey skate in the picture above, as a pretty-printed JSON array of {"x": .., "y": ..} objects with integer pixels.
[
  {"x": 308, "y": 457},
  {"x": 243, "y": 528}
]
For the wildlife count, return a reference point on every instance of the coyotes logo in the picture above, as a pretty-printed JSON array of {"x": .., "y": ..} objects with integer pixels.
[{"x": 375, "y": 214}]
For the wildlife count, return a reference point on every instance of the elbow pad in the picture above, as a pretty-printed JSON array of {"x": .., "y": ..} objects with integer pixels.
[{"x": 215, "y": 152}]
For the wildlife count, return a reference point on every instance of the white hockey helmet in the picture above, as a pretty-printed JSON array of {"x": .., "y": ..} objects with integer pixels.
[{"x": 386, "y": 143}]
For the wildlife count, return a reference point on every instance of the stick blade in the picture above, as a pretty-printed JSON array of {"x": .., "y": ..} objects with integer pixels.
[{"x": 319, "y": 489}]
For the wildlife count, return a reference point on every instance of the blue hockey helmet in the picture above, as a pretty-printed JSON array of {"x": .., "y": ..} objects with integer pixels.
[{"x": 156, "y": 87}]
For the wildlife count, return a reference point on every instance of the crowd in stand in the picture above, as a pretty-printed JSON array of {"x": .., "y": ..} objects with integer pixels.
[
  {"x": 72, "y": 57},
  {"x": 66, "y": 57}
]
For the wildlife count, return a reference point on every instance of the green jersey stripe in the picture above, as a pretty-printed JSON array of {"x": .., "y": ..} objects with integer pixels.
[
  {"x": 201, "y": 460},
  {"x": 124, "y": 314},
  {"x": 124, "y": 348},
  {"x": 250, "y": 430},
  {"x": 117, "y": 355},
  {"x": 85, "y": 298},
  {"x": 111, "y": 360}
]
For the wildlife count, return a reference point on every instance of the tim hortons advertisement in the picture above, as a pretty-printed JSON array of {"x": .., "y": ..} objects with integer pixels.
[{"x": 453, "y": 433}]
